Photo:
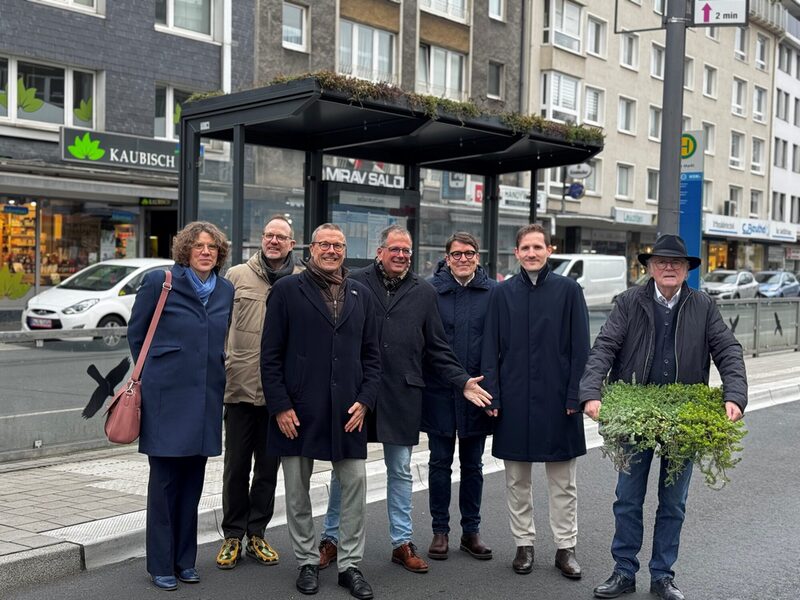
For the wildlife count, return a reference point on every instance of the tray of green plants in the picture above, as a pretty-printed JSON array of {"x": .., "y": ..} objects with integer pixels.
[{"x": 680, "y": 422}]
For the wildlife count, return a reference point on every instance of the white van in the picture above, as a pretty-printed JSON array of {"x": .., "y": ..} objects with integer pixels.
[{"x": 602, "y": 276}]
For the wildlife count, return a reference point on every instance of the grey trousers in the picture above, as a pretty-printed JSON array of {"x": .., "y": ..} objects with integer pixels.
[{"x": 352, "y": 475}]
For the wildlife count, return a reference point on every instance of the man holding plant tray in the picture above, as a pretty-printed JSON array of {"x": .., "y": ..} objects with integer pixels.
[{"x": 660, "y": 333}]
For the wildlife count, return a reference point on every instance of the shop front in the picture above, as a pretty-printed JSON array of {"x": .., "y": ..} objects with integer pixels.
[{"x": 745, "y": 244}]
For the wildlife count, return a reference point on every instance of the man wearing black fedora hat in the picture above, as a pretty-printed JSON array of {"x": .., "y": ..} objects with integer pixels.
[{"x": 662, "y": 332}]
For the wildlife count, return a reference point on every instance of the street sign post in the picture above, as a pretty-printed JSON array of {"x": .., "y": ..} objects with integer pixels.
[
  {"x": 716, "y": 13},
  {"x": 691, "y": 196}
]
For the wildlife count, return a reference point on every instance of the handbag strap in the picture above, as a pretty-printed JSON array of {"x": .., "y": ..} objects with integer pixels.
[{"x": 165, "y": 288}]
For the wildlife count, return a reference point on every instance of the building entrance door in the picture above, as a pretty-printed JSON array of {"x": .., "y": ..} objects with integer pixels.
[{"x": 161, "y": 227}]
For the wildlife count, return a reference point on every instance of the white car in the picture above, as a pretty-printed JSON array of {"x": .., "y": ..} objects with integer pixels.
[
  {"x": 725, "y": 284},
  {"x": 101, "y": 295}
]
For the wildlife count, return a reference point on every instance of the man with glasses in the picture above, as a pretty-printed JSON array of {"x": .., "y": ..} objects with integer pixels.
[
  {"x": 247, "y": 506},
  {"x": 320, "y": 366},
  {"x": 462, "y": 288},
  {"x": 659, "y": 333},
  {"x": 409, "y": 328}
]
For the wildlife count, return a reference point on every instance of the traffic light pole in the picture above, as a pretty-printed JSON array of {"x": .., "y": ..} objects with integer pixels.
[{"x": 672, "y": 118}]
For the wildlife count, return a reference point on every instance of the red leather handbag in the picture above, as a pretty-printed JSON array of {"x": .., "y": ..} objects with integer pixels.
[{"x": 124, "y": 414}]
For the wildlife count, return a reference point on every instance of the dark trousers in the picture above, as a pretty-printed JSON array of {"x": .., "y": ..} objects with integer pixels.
[
  {"x": 173, "y": 495},
  {"x": 470, "y": 451},
  {"x": 247, "y": 507}
]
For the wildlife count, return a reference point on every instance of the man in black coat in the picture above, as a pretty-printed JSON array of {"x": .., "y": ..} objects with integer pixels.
[
  {"x": 409, "y": 328},
  {"x": 659, "y": 333}
]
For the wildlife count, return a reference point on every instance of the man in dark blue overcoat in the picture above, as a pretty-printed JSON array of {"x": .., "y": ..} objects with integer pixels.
[
  {"x": 320, "y": 371},
  {"x": 535, "y": 346}
]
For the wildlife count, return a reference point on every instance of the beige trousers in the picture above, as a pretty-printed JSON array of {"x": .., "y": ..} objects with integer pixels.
[{"x": 563, "y": 495}]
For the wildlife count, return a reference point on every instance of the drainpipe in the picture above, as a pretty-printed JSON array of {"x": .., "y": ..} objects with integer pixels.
[{"x": 227, "y": 38}]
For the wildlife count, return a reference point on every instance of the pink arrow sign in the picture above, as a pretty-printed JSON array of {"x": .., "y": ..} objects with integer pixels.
[{"x": 706, "y": 12}]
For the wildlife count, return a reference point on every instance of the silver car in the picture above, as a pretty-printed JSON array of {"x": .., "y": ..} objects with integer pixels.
[
  {"x": 777, "y": 284},
  {"x": 727, "y": 284}
]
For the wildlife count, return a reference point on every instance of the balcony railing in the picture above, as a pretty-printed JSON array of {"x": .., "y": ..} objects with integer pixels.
[
  {"x": 770, "y": 14},
  {"x": 367, "y": 73},
  {"x": 456, "y": 9}
]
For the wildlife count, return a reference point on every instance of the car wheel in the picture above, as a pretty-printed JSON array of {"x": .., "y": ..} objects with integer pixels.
[
  {"x": 111, "y": 341},
  {"x": 735, "y": 296}
]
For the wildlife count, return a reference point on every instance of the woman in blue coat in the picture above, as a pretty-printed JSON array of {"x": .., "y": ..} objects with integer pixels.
[{"x": 183, "y": 382}]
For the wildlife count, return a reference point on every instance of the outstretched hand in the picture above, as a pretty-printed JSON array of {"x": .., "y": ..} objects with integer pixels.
[{"x": 476, "y": 394}]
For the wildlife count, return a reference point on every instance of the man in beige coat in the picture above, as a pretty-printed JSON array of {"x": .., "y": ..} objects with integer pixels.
[{"x": 247, "y": 506}]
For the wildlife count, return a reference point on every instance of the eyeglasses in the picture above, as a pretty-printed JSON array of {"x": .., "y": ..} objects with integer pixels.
[
  {"x": 397, "y": 250},
  {"x": 200, "y": 246},
  {"x": 325, "y": 246},
  {"x": 277, "y": 236},
  {"x": 468, "y": 254},
  {"x": 673, "y": 263}
]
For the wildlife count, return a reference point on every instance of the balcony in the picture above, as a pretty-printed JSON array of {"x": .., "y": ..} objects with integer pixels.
[
  {"x": 771, "y": 15},
  {"x": 451, "y": 9}
]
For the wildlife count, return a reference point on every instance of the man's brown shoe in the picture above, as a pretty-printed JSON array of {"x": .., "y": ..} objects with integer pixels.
[
  {"x": 471, "y": 544},
  {"x": 407, "y": 556},
  {"x": 439, "y": 546},
  {"x": 327, "y": 553},
  {"x": 523, "y": 561},
  {"x": 567, "y": 563}
]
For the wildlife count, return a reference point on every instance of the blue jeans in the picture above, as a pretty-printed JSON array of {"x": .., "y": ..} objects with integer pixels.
[
  {"x": 470, "y": 451},
  {"x": 631, "y": 490},
  {"x": 399, "y": 487}
]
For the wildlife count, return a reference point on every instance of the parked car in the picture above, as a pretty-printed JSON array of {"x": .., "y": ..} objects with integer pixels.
[
  {"x": 101, "y": 295},
  {"x": 777, "y": 284},
  {"x": 725, "y": 284},
  {"x": 602, "y": 276}
]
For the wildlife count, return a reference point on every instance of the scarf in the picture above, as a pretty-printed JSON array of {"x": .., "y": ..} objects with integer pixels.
[
  {"x": 203, "y": 288},
  {"x": 329, "y": 284},
  {"x": 390, "y": 283},
  {"x": 274, "y": 274}
]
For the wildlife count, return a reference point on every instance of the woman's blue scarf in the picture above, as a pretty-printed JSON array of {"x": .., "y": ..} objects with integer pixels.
[{"x": 203, "y": 288}]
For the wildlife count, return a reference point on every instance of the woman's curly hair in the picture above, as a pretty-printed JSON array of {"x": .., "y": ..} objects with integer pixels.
[{"x": 182, "y": 246}]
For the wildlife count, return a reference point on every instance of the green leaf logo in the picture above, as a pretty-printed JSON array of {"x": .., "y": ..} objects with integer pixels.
[
  {"x": 84, "y": 111},
  {"x": 26, "y": 98},
  {"x": 85, "y": 147},
  {"x": 176, "y": 115},
  {"x": 11, "y": 285}
]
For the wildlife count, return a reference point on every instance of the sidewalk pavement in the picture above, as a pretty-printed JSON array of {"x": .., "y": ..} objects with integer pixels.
[{"x": 86, "y": 510}]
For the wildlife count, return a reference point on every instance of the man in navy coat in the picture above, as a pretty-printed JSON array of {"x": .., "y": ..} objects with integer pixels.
[
  {"x": 535, "y": 346},
  {"x": 320, "y": 371}
]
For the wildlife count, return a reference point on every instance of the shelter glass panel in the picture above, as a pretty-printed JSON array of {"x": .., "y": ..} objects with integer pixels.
[{"x": 215, "y": 187}]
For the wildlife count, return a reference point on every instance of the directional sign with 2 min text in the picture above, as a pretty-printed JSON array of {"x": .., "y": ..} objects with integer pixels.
[{"x": 720, "y": 12}]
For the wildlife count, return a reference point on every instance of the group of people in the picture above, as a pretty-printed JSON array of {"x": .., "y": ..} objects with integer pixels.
[{"x": 314, "y": 361}]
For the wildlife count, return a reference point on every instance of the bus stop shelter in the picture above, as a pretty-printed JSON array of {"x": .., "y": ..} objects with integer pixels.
[{"x": 305, "y": 116}]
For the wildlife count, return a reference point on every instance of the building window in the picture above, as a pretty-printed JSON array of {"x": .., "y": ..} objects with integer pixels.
[
  {"x": 629, "y": 51},
  {"x": 627, "y": 115},
  {"x": 795, "y": 217},
  {"x": 797, "y": 112},
  {"x": 657, "y": 61},
  {"x": 708, "y": 193},
  {"x": 452, "y": 9},
  {"x": 595, "y": 36},
  {"x": 731, "y": 206},
  {"x": 295, "y": 19},
  {"x": 795, "y": 158},
  {"x": 496, "y": 9},
  {"x": 785, "y": 58},
  {"x": 654, "y": 124},
  {"x": 559, "y": 97},
  {"x": 709, "y": 81},
  {"x": 759, "y": 104},
  {"x": 757, "y": 158},
  {"x": 709, "y": 131},
  {"x": 762, "y": 52},
  {"x": 755, "y": 202},
  {"x": 778, "y": 206},
  {"x": 624, "y": 181},
  {"x": 652, "y": 185},
  {"x": 782, "y": 105},
  {"x": 737, "y": 150},
  {"x": 440, "y": 72},
  {"x": 740, "y": 43},
  {"x": 781, "y": 149},
  {"x": 738, "y": 96},
  {"x": 659, "y": 6},
  {"x": 167, "y": 113},
  {"x": 712, "y": 33},
  {"x": 566, "y": 23},
  {"x": 496, "y": 80},
  {"x": 187, "y": 15},
  {"x": 688, "y": 73},
  {"x": 47, "y": 95},
  {"x": 592, "y": 182},
  {"x": 686, "y": 123},
  {"x": 76, "y": 4},
  {"x": 366, "y": 52},
  {"x": 594, "y": 100}
]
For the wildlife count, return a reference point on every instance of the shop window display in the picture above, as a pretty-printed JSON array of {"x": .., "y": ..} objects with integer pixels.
[{"x": 18, "y": 238}]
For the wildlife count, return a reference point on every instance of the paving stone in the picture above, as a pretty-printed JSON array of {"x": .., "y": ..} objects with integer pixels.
[
  {"x": 37, "y": 541},
  {"x": 9, "y": 548},
  {"x": 40, "y": 526}
]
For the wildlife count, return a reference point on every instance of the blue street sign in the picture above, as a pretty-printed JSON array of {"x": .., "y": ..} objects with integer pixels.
[
  {"x": 691, "y": 197},
  {"x": 575, "y": 190}
]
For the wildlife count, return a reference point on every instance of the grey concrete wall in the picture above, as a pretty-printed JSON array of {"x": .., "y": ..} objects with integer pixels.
[{"x": 501, "y": 42}]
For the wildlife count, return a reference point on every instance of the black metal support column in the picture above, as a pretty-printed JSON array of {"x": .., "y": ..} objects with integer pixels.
[
  {"x": 237, "y": 217},
  {"x": 534, "y": 190},
  {"x": 491, "y": 227},
  {"x": 188, "y": 196},
  {"x": 315, "y": 205},
  {"x": 411, "y": 181}
]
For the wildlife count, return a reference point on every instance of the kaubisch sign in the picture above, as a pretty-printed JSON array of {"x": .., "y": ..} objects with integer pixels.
[{"x": 115, "y": 150}]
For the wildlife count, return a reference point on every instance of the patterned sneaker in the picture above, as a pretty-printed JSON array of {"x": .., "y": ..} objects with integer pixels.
[
  {"x": 229, "y": 553},
  {"x": 259, "y": 549}
]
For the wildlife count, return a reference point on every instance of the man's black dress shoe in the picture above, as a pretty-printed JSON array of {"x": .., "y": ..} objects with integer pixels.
[
  {"x": 523, "y": 561},
  {"x": 666, "y": 589},
  {"x": 567, "y": 563},
  {"x": 614, "y": 586},
  {"x": 355, "y": 582},
  {"x": 308, "y": 580}
]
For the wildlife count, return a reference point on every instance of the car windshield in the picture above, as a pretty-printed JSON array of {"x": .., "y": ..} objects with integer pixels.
[
  {"x": 717, "y": 277},
  {"x": 98, "y": 278},
  {"x": 558, "y": 264},
  {"x": 768, "y": 277}
]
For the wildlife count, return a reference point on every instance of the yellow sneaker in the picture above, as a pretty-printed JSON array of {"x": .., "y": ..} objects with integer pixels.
[
  {"x": 259, "y": 549},
  {"x": 229, "y": 554}
]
